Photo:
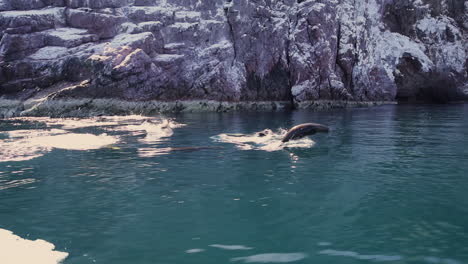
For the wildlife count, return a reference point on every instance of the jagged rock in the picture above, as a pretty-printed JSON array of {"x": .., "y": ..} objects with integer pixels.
[
  {"x": 21, "y": 4},
  {"x": 27, "y": 21},
  {"x": 103, "y": 25},
  {"x": 163, "y": 14},
  {"x": 96, "y": 4},
  {"x": 69, "y": 37},
  {"x": 145, "y": 41},
  {"x": 14, "y": 46},
  {"x": 235, "y": 50}
]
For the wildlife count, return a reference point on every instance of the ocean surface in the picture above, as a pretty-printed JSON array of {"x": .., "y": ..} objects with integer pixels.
[{"x": 387, "y": 184}]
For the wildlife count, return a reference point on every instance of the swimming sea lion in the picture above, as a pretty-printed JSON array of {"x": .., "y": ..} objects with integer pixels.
[
  {"x": 263, "y": 133},
  {"x": 303, "y": 130}
]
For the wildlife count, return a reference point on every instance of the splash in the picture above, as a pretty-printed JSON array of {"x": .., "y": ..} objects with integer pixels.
[
  {"x": 22, "y": 251},
  {"x": 270, "y": 141}
]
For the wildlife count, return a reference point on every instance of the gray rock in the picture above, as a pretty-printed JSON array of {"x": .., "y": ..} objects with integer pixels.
[
  {"x": 104, "y": 25},
  {"x": 28, "y": 21},
  {"x": 235, "y": 50},
  {"x": 96, "y": 4}
]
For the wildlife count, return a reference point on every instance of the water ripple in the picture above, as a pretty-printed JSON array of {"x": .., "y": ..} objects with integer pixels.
[
  {"x": 231, "y": 247},
  {"x": 15, "y": 183},
  {"x": 272, "y": 258},
  {"x": 352, "y": 254}
]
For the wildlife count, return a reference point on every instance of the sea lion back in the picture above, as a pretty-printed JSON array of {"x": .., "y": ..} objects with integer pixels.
[{"x": 303, "y": 130}]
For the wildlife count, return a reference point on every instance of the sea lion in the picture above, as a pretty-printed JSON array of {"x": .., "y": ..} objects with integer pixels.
[
  {"x": 263, "y": 133},
  {"x": 303, "y": 130}
]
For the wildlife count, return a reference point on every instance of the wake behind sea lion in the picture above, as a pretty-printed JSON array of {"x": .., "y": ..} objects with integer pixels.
[{"x": 303, "y": 130}]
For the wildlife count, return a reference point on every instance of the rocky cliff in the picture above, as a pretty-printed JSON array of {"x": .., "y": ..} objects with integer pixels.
[{"x": 234, "y": 50}]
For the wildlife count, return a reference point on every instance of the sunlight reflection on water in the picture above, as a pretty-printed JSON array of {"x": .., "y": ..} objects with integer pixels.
[
  {"x": 352, "y": 254},
  {"x": 385, "y": 186},
  {"x": 28, "y": 148},
  {"x": 154, "y": 132},
  {"x": 22, "y": 251},
  {"x": 15, "y": 183},
  {"x": 22, "y": 145}
]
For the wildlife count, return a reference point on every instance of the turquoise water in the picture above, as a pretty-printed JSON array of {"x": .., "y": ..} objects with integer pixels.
[{"x": 387, "y": 184}]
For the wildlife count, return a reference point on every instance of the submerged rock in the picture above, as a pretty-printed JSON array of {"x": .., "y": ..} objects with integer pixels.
[{"x": 235, "y": 50}]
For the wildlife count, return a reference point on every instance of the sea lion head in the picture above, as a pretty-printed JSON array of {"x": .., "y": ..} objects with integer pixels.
[{"x": 263, "y": 133}]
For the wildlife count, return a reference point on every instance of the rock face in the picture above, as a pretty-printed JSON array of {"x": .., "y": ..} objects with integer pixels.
[{"x": 235, "y": 50}]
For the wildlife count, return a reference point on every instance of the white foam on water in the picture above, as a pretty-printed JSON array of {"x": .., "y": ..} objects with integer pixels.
[
  {"x": 270, "y": 142},
  {"x": 272, "y": 258},
  {"x": 16, "y": 250},
  {"x": 352, "y": 254},
  {"x": 231, "y": 247}
]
